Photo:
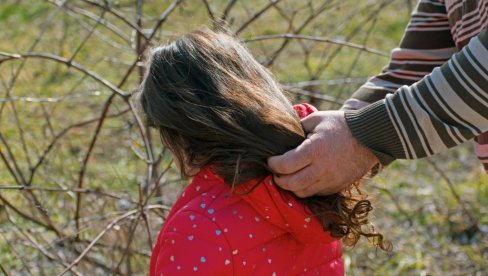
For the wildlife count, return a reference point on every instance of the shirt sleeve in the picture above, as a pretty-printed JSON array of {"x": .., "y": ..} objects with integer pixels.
[
  {"x": 427, "y": 43},
  {"x": 444, "y": 109},
  {"x": 193, "y": 244}
]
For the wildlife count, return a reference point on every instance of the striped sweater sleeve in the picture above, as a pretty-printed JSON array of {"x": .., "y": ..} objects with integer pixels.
[
  {"x": 427, "y": 43},
  {"x": 446, "y": 108}
]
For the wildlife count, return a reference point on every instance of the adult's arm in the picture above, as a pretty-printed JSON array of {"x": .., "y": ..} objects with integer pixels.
[
  {"x": 444, "y": 109},
  {"x": 427, "y": 43}
]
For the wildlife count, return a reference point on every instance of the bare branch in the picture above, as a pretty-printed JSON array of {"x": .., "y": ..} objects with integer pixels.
[
  {"x": 99, "y": 20},
  {"x": 313, "y": 95},
  {"x": 456, "y": 196},
  {"x": 117, "y": 14},
  {"x": 84, "y": 163},
  {"x": 209, "y": 10},
  {"x": 67, "y": 190},
  {"x": 66, "y": 62},
  {"x": 54, "y": 100},
  {"x": 162, "y": 18},
  {"x": 227, "y": 9},
  {"x": 257, "y": 15},
  {"x": 104, "y": 231},
  {"x": 318, "y": 39}
]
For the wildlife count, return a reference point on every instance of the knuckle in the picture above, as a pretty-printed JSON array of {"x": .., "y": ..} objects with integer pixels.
[
  {"x": 315, "y": 117},
  {"x": 316, "y": 147},
  {"x": 305, "y": 152},
  {"x": 287, "y": 167},
  {"x": 279, "y": 164},
  {"x": 307, "y": 193},
  {"x": 283, "y": 183},
  {"x": 306, "y": 180},
  {"x": 297, "y": 184},
  {"x": 299, "y": 194}
]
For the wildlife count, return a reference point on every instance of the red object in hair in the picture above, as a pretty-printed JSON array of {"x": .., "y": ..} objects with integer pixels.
[
  {"x": 304, "y": 109},
  {"x": 214, "y": 231}
]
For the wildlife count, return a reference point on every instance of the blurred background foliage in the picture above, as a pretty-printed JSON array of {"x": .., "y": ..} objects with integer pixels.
[{"x": 85, "y": 186}]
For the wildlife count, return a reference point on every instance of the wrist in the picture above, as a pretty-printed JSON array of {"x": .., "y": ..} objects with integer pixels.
[
  {"x": 372, "y": 128},
  {"x": 367, "y": 163}
]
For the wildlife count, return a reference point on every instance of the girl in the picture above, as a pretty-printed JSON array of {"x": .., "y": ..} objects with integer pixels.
[{"x": 222, "y": 114}]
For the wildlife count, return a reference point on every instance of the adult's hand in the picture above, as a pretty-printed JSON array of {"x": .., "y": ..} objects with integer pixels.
[{"x": 328, "y": 161}]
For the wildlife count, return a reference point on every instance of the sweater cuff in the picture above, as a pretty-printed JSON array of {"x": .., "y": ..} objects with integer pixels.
[{"x": 372, "y": 127}]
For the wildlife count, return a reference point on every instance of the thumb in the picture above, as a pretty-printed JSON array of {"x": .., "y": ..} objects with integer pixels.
[
  {"x": 292, "y": 160},
  {"x": 310, "y": 122},
  {"x": 330, "y": 117}
]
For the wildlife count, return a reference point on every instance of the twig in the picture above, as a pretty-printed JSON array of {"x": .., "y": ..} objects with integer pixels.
[
  {"x": 148, "y": 229},
  {"x": 307, "y": 21},
  {"x": 22, "y": 214},
  {"x": 162, "y": 18},
  {"x": 103, "y": 232},
  {"x": 328, "y": 82},
  {"x": 15, "y": 76},
  {"x": 54, "y": 100},
  {"x": 99, "y": 21},
  {"x": 313, "y": 95},
  {"x": 60, "y": 135},
  {"x": 20, "y": 129},
  {"x": 16, "y": 254},
  {"x": 372, "y": 16},
  {"x": 209, "y": 10},
  {"x": 114, "y": 12},
  {"x": 256, "y": 15},
  {"x": 227, "y": 9},
  {"x": 138, "y": 37},
  {"x": 9, "y": 168},
  {"x": 318, "y": 39},
  {"x": 11, "y": 155},
  {"x": 396, "y": 202},
  {"x": 66, "y": 62},
  {"x": 3, "y": 270},
  {"x": 67, "y": 190},
  {"x": 35, "y": 201},
  {"x": 467, "y": 213},
  {"x": 46, "y": 117},
  {"x": 84, "y": 163},
  {"x": 356, "y": 58},
  {"x": 36, "y": 245},
  {"x": 145, "y": 137},
  {"x": 132, "y": 230}
]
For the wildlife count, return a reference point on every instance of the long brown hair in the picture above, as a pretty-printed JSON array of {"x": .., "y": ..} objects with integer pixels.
[{"x": 215, "y": 105}]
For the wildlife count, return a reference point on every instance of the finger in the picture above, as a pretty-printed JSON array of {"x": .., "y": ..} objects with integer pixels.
[
  {"x": 331, "y": 186},
  {"x": 315, "y": 189},
  {"x": 292, "y": 160},
  {"x": 310, "y": 122},
  {"x": 298, "y": 181}
]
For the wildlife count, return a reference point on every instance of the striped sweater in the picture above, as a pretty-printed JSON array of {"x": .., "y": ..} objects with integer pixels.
[{"x": 429, "y": 98}]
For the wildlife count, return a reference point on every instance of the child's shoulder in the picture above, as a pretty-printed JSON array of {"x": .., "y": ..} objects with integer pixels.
[
  {"x": 209, "y": 196},
  {"x": 206, "y": 189}
]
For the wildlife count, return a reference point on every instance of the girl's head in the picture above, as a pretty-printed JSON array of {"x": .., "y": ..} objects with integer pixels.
[{"x": 215, "y": 105}]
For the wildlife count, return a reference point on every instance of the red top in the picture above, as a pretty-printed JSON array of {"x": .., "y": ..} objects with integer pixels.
[{"x": 211, "y": 231}]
